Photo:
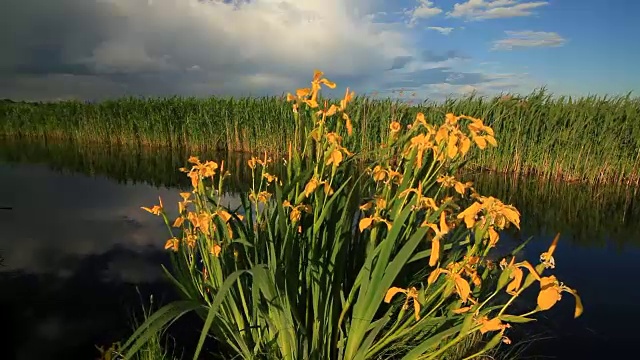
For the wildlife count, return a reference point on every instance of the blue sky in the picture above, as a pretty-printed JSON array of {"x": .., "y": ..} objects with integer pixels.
[
  {"x": 94, "y": 49},
  {"x": 585, "y": 46}
]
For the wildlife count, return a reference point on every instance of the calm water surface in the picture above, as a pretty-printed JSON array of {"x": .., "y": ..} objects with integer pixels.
[{"x": 76, "y": 250}]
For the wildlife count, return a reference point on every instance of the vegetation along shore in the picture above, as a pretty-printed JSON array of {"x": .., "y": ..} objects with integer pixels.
[
  {"x": 590, "y": 139},
  {"x": 330, "y": 261}
]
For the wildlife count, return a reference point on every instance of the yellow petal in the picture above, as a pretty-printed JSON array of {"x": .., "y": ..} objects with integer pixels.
[
  {"x": 224, "y": 215},
  {"x": 491, "y": 140},
  {"x": 470, "y": 213},
  {"x": 435, "y": 251},
  {"x": 444, "y": 228},
  {"x": 392, "y": 292},
  {"x": 154, "y": 210},
  {"x": 529, "y": 267},
  {"x": 332, "y": 110},
  {"x": 329, "y": 84},
  {"x": 311, "y": 103},
  {"x": 252, "y": 163},
  {"x": 488, "y": 130},
  {"x": 429, "y": 202},
  {"x": 295, "y": 215},
  {"x": 193, "y": 160},
  {"x": 303, "y": 92},
  {"x": 491, "y": 325},
  {"x": 215, "y": 250},
  {"x": 514, "y": 286},
  {"x": 365, "y": 223},
  {"x": 366, "y": 206},
  {"x": 310, "y": 187},
  {"x": 335, "y": 158},
  {"x": 348, "y": 123},
  {"x": 480, "y": 141},
  {"x": 178, "y": 222},
  {"x": 548, "y": 297},
  {"x": 451, "y": 119},
  {"x": 459, "y": 187},
  {"x": 553, "y": 246},
  {"x": 434, "y": 276},
  {"x": 441, "y": 135},
  {"x": 579, "y": 308},
  {"x": 379, "y": 174},
  {"x": 465, "y": 145},
  {"x": 462, "y": 287},
  {"x": 512, "y": 215},
  {"x": 416, "y": 308},
  {"x": 172, "y": 244},
  {"x": 452, "y": 149},
  {"x": 549, "y": 293},
  {"x": 493, "y": 237}
]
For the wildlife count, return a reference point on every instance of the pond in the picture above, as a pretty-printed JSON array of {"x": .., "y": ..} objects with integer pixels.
[{"x": 79, "y": 256}]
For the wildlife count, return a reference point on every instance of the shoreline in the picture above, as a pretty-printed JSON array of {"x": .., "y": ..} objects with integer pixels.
[{"x": 476, "y": 166}]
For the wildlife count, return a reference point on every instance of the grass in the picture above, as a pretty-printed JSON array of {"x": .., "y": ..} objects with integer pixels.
[
  {"x": 330, "y": 260},
  {"x": 157, "y": 348},
  {"x": 590, "y": 139}
]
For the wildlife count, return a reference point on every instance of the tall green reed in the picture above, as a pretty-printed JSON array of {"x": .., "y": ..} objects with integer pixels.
[{"x": 591, "y": 139}]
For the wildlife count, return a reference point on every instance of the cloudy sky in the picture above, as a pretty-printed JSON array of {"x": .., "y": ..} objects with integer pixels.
[{"x": 96, "y": 49}]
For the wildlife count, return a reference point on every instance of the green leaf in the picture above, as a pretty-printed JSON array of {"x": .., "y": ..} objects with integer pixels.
[
  {"x": 156, "y": 323},
  {"x": 213, "y": 309},
  {"x": 516, "y": 319},
  {"x": 431, "y": 342}
]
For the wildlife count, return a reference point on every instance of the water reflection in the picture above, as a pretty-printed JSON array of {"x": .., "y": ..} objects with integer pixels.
[
  {"x": 124, "y": 164},
  {"x": 585, "y": 215},
  {"x": 75, "y": 244},
  {"x": 73, "y": 248}
]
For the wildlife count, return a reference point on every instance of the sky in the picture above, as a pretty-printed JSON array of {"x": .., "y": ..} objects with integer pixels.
[{"x": 100, "y": 49}]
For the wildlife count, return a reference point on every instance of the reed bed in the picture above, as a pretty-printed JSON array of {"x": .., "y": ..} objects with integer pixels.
[{"x": 589, "y": 139}]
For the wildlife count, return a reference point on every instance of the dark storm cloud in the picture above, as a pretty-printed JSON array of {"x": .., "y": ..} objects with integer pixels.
[
  {"x": 48, "y": 37},
  {"x": 105, "y": 48},
  {"x": 436, "y": 76},
  {"x": 430, "y": 56},
  {"x": 400, "y": 62},
  {"x": 96, "y": 49}
]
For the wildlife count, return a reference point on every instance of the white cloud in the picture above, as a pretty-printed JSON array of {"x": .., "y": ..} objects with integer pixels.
[
  {"x": 424, "y": 10},
  {"x": 195, "y": 47},
  {"x": 441, "y": 30},
  {"x": 528, "y": 39},
  {"x": 112, "y": 48},
  {"x": 494, "y": 9}
]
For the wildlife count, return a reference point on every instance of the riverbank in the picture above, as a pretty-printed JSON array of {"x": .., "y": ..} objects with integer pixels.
[{"x": 590, "y": 139}]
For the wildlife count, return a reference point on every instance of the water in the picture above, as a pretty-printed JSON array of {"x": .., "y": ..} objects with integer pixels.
[{"x": 77, "y": 248}]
